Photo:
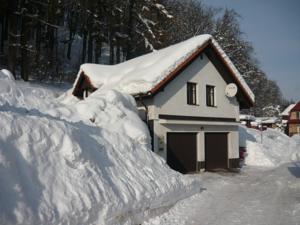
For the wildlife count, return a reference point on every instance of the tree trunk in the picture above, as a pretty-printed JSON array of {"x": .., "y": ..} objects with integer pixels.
[
  {"x": 90, "y": 49},
  {"x": 24, "y": 48},
  {"x": 83, "y": 47},
  {"x": 38, "y": 42},
  {"x": 12, "y": 38},
  {"x": 70, "y": 41},
  {"x": 2, "y": 20},
  {"x": 71, "y": 35},
  {"x": 129, "y": 54},
  {"x": 111, "y": 52},
  {"x": 98, "y": 51},
  {"x": 118, "y": 53}
]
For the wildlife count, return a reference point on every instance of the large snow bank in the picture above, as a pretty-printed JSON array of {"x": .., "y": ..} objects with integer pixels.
[
  {"x": 269, "y": 148},
  {"x": 79, "y": 162}
]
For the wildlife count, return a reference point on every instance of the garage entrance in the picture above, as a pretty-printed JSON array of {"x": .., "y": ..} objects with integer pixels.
[
  {"x": 182, "y": 151},
  {"x": 216, "y": 151}
]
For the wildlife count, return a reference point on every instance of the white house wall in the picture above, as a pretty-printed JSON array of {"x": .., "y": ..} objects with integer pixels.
[{"x": 173, "y": 99}]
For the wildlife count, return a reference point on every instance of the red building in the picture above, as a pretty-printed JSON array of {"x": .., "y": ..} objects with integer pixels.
[{"x": 293, "y": 120}]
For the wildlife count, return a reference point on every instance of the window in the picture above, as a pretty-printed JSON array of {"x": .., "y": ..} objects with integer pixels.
[
  {"x": 298, "y": 115},
  {"x": 191, "y": 93},
  {"x": 210, "y": 95}
]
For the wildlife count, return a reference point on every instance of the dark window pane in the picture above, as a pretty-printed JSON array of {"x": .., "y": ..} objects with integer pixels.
[
  {"x": 210, "y": 95},
  {"x": 191, "y": 93}
]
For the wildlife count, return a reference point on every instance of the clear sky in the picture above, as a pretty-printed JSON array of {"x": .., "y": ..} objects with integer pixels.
[{"x": 273, "y": 27}]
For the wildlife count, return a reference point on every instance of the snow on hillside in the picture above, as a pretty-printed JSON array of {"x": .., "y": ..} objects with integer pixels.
[
  {"x": 270, "y": 147},
  {"x": 64, "y": 161}
]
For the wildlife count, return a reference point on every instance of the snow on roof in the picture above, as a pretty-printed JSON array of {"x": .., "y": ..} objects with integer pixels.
[
  {"x": 267, "y": 120},
  {"x": 142, "y": 74},
  {"x": 254, "y": 123},
  {"x": 287, "y": 110},
  {"x": 296, "y": 107},
  {"x": 247, "y": 117},
  {"x": 234, "y": 69}
]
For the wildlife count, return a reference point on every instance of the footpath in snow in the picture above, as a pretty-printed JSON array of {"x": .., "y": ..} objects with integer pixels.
[
  {"x": 64, "y": 161},
  {"x": 266, "y": 191}
]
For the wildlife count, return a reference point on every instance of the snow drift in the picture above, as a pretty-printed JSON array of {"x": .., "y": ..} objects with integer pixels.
[
  {"x": 79, "y": 162},
  {"x": 269, "y": 148}
]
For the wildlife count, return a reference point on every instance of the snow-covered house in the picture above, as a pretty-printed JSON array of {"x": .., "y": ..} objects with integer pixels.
[
  {"x": 268, "y": 122},
  {"x": 180, "y": 93},
  {"x": 247, "y": 119},
  {"x": 285, "y": 114},
  {"x": 291, "y": 116}
]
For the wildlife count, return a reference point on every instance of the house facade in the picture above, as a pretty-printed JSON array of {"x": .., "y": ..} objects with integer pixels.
[
  {"x": 193, "y": 123},
  {"x": 291, "y": 119},
  {"x": 294, "y": 120}
]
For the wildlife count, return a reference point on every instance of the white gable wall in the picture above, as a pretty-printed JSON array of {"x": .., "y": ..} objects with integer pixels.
[{"x": 173, "y": 99}]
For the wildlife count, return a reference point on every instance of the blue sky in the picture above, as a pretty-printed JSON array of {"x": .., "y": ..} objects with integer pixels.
[{"x": 273, "y": 27}]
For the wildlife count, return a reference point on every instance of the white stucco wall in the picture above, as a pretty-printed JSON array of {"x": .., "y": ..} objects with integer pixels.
[{"x": 173, "y": 99}]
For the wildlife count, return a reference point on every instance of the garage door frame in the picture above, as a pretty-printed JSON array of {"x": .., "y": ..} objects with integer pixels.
[
  {"x": 206, "y": 149},
  {"x": 195, "y": 134}
]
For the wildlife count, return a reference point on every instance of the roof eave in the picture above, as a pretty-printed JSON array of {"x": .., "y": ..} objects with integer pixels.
[{"x": 179, "y": 68}]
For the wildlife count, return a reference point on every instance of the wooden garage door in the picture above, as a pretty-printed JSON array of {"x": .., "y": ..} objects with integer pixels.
[
  {"x": 182, "y": 151},
  {"x": 216, "y": 151}
]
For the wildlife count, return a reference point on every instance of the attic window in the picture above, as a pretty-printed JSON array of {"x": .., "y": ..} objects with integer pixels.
[
  {"x": 191, "y": 93},
  {"x": 210, "y": 96}
]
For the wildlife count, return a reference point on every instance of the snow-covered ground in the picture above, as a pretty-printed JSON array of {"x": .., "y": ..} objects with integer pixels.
[
  {"x": 253, "y": 197},
  {"x": 64, "y": 161},
  {"x": 269, "y": 148},
  {"x": 266, "y": 191}
]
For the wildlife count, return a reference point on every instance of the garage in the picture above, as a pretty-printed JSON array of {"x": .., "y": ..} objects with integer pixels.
[
  {"x": 216, "y": 151},
  {"x": 182, "y": 152}
]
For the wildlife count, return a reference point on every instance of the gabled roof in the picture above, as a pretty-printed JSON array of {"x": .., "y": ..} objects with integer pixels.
[
  {"x": 147, "y": 74},
  {"x": 287, "y": 110},
  {"x": 296, "y": 107}
]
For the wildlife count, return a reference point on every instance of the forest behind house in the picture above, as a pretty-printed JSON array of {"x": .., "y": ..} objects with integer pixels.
[{"x": 47, "y": 40}]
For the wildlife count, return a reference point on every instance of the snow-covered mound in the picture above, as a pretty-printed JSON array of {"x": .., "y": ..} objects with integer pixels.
[
  {"x": 6, "y": 75},
  {"x": 270, "y": 147},
  {"x": 79, "y": 162}
]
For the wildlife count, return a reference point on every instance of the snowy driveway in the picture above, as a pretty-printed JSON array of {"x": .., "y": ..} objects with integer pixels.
[{"x": 255, "y": 196}]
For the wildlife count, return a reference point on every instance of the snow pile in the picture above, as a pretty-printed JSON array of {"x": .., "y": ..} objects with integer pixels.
[
  {"x": 6, "y": 75},
  {"x": 269, "y": 148},
  {"x": 79, "y": 162},
  {"x": 143, "y": 73},
  {"x": 295, "y": 155}
]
